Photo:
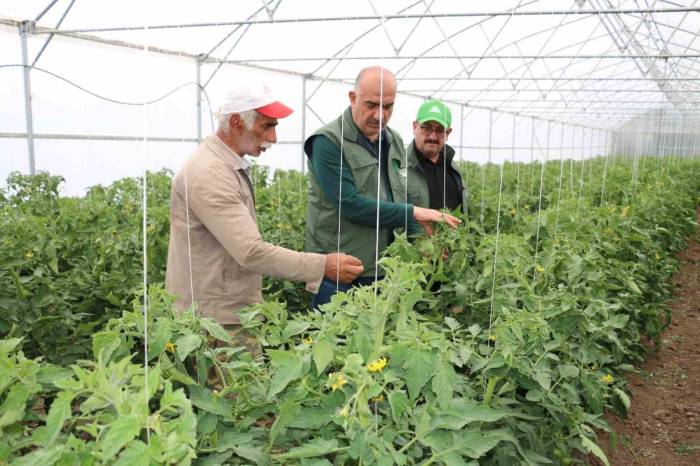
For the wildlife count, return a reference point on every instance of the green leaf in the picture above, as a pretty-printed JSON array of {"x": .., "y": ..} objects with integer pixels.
[
  {"x": 7, "y": 346},
  {"x": 316, "y": 447},
  {"x": 12, "y": 409},
  {"x": 399, "y": 404},
  {"x": 323, "y": 354},
  {"x": 104, "y": 344},
  {"x": 462, "y": 412},
  {"x": 617, "y": 321},
  {"x": 312, "y": 417},
  {"x": 443, "y": 384},
  {"x": 216, "y": 330},
  {"x": 254, "y": 454},
  {"x": 217, "y": 459},
  {"x": 594, "y": 449},
  {"x": 624, "y": 399},
  {"x": 288, "y": 366},
  {"x": 295, "y": 327},
  {"x": 121, "y": 432},
  {"x": 420, "y": 367},
  {"x": 543, "y": 378},
  {"x": 135, "y": 454},
  {"x": 158, "y": 338},
  {"x": 286, "y": 413},
  {"x": 44, "y": 457},
  {"x": 186, "y": 344},
  {"x": 58, "y": 414},
  {"x": 203, "y": 398},
  {"x": 568, "y": 371}
]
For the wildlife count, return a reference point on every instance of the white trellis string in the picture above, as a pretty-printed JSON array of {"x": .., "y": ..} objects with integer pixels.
[
  {"x": 144, "y": 225},
  {"x": 532, "y": 157},
  {"x": 517, "y": 168},
  {"x": 379, "y": 179},
  {"x": 495, "y": 259},
  {"x": 583, "y": 163},
  {"x": 561, "y": 176},
  {"x": 539, "y": 204},
  {"x": 340, "y": 200},
  {"x": 571, "y": 161},
  {"x": 605, "y": 172},
  {"x": 189, "y": 241}
]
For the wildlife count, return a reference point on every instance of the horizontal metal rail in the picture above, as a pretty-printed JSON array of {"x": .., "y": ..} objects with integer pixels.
[
  {"x": 473, "y": 14},
  {"x": 106, "y": 137}
]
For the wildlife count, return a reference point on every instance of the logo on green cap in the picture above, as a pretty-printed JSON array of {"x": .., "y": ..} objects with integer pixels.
[{"x": 434, "y": 110}]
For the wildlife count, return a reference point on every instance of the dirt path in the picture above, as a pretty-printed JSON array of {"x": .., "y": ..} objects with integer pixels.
[{"x": 663, "y": 427}]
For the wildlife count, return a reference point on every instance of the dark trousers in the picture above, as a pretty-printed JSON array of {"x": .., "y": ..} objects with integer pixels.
[{"x": 328, "y": 288}]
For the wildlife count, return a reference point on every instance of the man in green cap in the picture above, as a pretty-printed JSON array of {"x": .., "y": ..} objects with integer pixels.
[
  {"x": 433, "y": 181},
  {"x": 357, "y": 196}
]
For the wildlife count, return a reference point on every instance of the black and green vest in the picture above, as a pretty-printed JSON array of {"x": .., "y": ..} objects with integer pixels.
[
  {"x": 418, "y": 186},
  {"x": 322, "y": 223}
]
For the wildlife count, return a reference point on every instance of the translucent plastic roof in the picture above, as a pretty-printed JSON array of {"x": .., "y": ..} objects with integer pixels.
[
  {"x": 113, "y": 84},
  {"x": 590, "y": 62}
]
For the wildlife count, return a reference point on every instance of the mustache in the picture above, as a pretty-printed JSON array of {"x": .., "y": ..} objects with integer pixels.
[{"x": 432, "y": 141}]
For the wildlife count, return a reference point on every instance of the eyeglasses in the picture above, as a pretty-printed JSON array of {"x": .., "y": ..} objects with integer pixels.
[{"x": 428, "y": 129}]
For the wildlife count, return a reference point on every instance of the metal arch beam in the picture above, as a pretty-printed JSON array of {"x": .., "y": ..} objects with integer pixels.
[
  {"x": 612, "y": 11},
  {"x": 468, "y": 57},
  {"x": 645, "y": 64}
]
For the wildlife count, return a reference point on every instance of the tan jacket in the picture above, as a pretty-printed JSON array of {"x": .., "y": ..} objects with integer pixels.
[{"x": 228, "y": 255}]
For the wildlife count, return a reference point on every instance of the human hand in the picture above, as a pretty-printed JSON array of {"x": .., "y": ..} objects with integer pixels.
[
  {"x": 342, "y": 267},
  {"x": 426, "y": 217}
]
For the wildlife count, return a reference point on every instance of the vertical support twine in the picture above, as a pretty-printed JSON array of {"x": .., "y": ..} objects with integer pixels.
[
  {"x": 561, "y": 177},
  {"x": 517, "y": 169},
  {"x": 198, "y": 64},
  {"x": 144, "y": 201},
  {"x": 539, "y": 202}
]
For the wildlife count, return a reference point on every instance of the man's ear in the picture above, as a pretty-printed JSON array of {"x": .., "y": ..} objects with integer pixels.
[
  {"x": 234, "y": 121},
  {"x": 353, "y": 97},
  {"x": 447, "y": 132}
]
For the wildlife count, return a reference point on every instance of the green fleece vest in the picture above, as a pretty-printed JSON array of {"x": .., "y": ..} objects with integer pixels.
[
  {"x": 417, "y": 185},
  {"x": 322, "y": 224}
]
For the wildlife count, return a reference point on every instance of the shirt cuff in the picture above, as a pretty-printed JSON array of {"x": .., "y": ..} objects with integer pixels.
[{"x": 316, "y": 264}]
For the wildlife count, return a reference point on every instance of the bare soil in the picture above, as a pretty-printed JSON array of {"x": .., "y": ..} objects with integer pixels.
[{"x": 663, "y": 426}]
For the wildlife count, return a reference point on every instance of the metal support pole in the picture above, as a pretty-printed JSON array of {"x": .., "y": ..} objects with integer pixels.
[
  {"x": 303, "y": 123},
  {"x": 25, "y": 28},
  {"x": 199, "y": 98}
]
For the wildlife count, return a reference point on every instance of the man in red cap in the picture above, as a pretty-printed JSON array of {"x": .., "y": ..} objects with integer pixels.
[{"x": 216, "y": 256}]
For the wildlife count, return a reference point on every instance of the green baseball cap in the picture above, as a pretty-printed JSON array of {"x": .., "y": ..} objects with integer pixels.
[{"x": 434, "y": 110}]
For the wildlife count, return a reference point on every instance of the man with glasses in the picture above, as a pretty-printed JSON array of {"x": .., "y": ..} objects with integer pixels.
[{"x": 433, "y": 180}]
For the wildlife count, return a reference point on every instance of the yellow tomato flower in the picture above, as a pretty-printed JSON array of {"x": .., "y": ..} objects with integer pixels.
[
  {"x": 607, "y": 378},
  {"x": 336, "y": 380},
  {"x": 344, "y": 412},
  {"x": 378, "y": 399},
  {"x": 307, "y": 340},
  {"x": 513, "y": 211},
  {"x": 377, "y": 365},
  {"x": 658, "y": 257},
  {"x": 170, "y": 346},
  {"x": 539, "y": 268},
  {"x": 492, "y": 337},
  {"x": 29, "y": 254},
  {"x": 625, "y": 211}
]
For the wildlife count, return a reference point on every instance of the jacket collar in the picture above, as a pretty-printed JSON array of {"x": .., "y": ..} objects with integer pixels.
[
  {"x": 225, "y": 153},
  {"x": 413, "y": 154},
  {"x": 351, "y": 132}
]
